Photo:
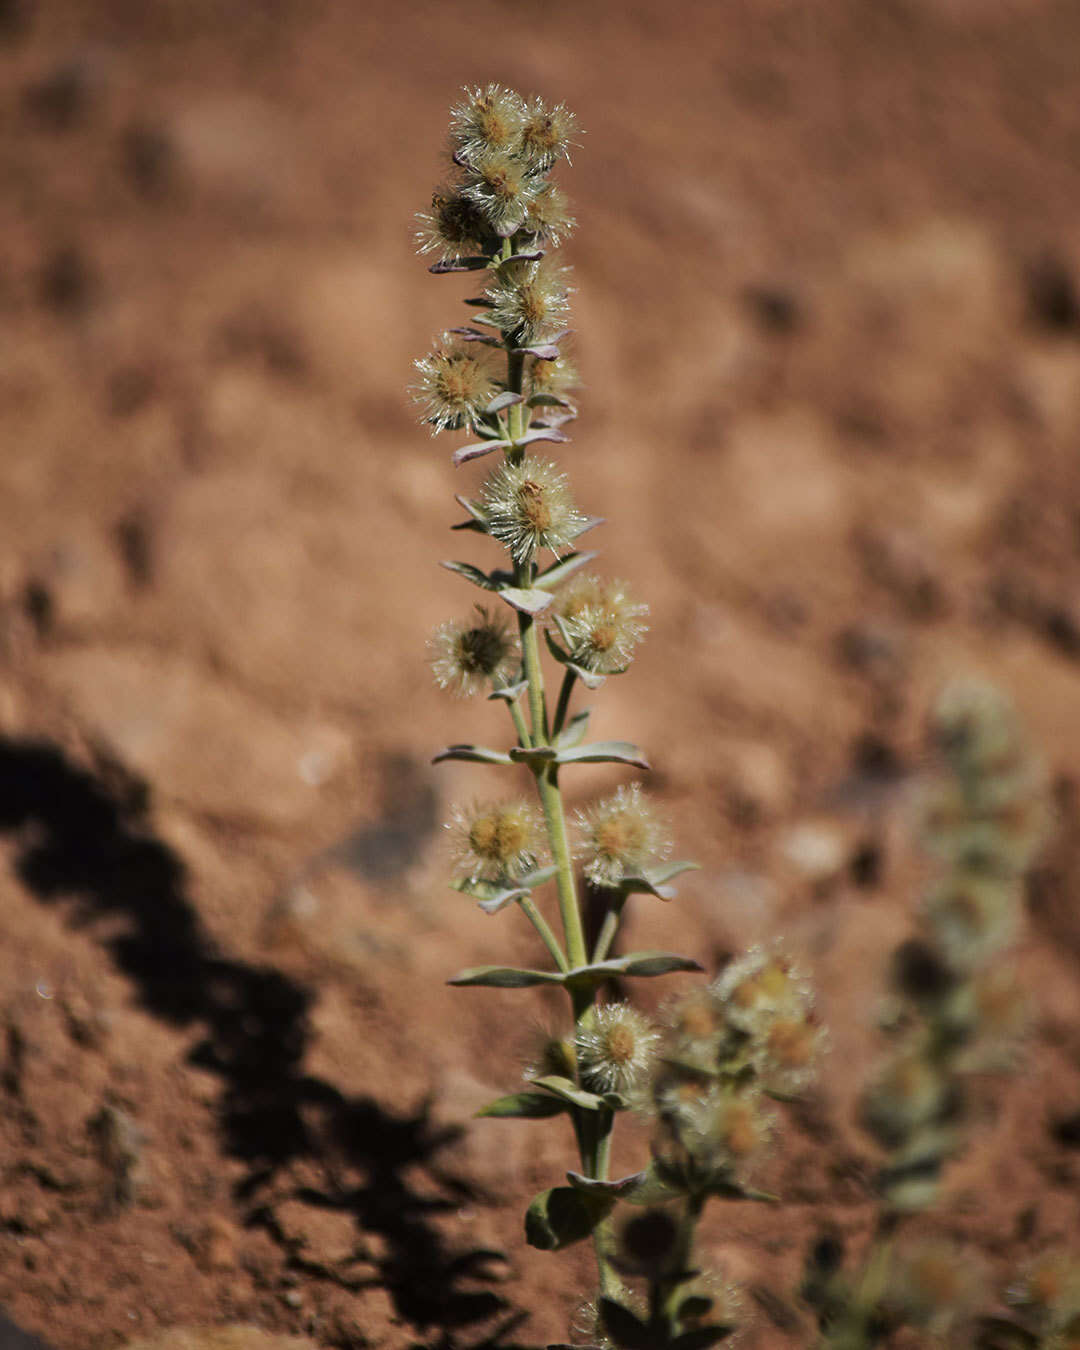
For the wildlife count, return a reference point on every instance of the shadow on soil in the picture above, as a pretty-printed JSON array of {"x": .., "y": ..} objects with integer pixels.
[{"x": 84, "y": 840}]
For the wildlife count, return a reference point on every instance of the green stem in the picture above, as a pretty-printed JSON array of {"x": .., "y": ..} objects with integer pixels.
[
  {"x": 547, "y": 783},
  {"x": 551, "y": 942},
  {"x": 522, "y": 730},
  {"x": 563, "y": 705},
  {"x": 610, "y": 927}
]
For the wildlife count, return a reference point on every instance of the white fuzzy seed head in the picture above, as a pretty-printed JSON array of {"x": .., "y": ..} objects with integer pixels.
[
  {"x": 619, "y": 836},
  {"x": 529, "y": 507},
  {"x": 467, "y": 657},
  {"x": 615, "y": 1053}
]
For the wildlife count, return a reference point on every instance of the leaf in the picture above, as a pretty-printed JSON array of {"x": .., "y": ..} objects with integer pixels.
[
  {"x": 483, "y": 890},
  {"x": 626, "y": 1329},
  {"x": 528, "y": 601},
  {"x": 702, "y": 1337},
  {"x": 506, "y": 399},
  {"x": 534, "y": 255},
  {"x": 474, "y": 754},
  {"x": 490, "y": 897},
  {"x": 477, "y": 521},
  {"x": 524, "y": 1106},
  {"x": 574, "y": 731},
  {"x": 568, "y": 1091},
  {"x": 476, "y": 450},
  {"x": 558, "y": 572},
  {"x": 509, "y": 692},
  {"x": 604, "y": 752},
  {"x": 651, "y": 880},
  {"x": 547, "y": 401},
  {"x": 505, "y": 977},
  {"x": 540, "y": 434},
  {"x": 470, "y": 573},
  {"x": 544, "y": 351},
  {"x": 616, "y": 1189},
  {"x": 695, "y": 1306},
  {"x": 589, "y": 523},
  {"x": 561, "y": 1216},
  {"x": 642, "y": 964},
  {"x": 467, "y": 264}
]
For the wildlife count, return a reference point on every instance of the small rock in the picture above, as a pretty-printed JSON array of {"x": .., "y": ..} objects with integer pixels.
[{"x": 816, "y": 849}]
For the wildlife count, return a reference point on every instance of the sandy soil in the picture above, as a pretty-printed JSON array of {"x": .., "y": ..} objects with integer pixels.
[{"x": 829, "y": 323}]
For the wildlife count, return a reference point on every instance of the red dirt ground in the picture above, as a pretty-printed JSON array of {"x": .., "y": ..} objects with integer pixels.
[{"x": 828, "y": 317}]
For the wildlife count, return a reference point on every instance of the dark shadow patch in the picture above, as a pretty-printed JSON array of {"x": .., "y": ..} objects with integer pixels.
[{"x": 91, "y": 847}]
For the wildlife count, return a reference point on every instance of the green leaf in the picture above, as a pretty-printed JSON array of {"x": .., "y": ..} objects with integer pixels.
[
  {"x": 561, "y": 1216},
  {"x": 574, "y": 731},
  {"x": 627, "y": 1330},
  {"x": 490, "y": 897},
  {"x": 547, "y": 401},
  {"x": 651, "y": 880},
  {"x": 644, "y": 964},
  {"x": 505, "y": 977},
  {"x": 527, "y": 601},
  {"x": 471, "y": 573},
  {"x": 509, "y": 692},
  {"x": 475, "y": 754},
  {"x": 558, "y": 572},
  {"x": 701, "y": 1338},
  {"x": 524, "y": 1106},
  {"x": 605, "y": 752},
  {"x": 568, "y": 1091},
  {"x": 489, "y": 890}
]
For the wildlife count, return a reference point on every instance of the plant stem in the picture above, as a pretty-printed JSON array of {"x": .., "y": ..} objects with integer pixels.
[
  {"x": 563, "y": 705},
  {"x": 551, "y": 942},
  {"x": 610, "y": 927}
]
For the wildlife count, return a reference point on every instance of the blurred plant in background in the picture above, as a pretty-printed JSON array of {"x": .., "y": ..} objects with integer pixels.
[{"x": 957, "y": 1009}]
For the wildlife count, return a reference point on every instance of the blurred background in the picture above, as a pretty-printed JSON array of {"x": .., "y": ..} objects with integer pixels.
[{"x": 827, "y": 315}]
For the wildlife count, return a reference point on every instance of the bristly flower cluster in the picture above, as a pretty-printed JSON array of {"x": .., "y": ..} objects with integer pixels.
[{"x": 962, "y": 1008}]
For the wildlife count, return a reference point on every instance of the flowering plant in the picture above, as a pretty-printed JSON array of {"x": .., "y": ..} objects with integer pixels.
[{"x": 505, "y": 378}]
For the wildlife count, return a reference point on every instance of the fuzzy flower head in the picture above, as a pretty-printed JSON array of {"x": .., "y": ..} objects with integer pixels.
[
  {"x": 907, "y": 1095},
  {"x": 760, "y": 987},
  {"x": 547, "y": 134},
  {"x": 466, "y": 657},
  {"x": 972, "y": 917},
  {"x": 528, "y": 507},
  {"x": 454, "y": 387},
  {"x": 530, "y": 300},
  {"x": 496, "y": 841},
  {"x": 708, "y": 1129},
  {"x": 620, "y": 836},
  {"x": 549, "y": 218},
  {"x": 601, "y": 624},
  {"x": 487, "y": 118},
  {"x": 615, "y": 1051},
  {"x": 501, "y": 189},
  {"x": 975, "y": 725},
  {"x": 786, "y": 1056},
  {"x": 551, "y": 379},
  {"x": 452, "y": 227}
]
